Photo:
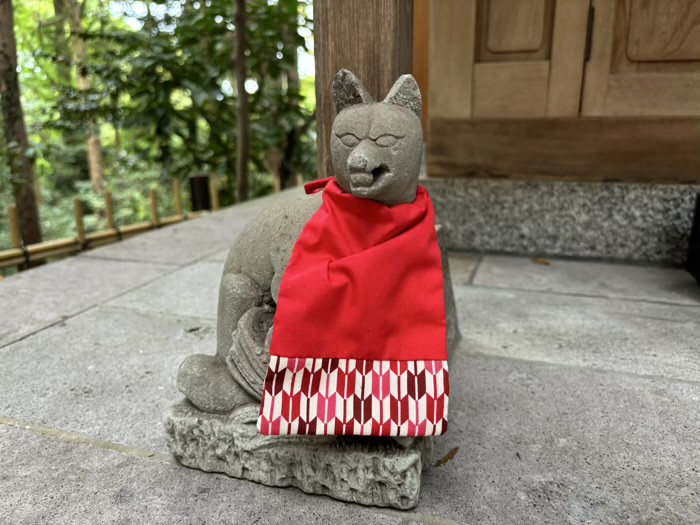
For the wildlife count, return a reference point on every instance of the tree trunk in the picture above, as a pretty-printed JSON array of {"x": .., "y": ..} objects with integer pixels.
[
  {"x": 60, "y": 42},
  {"x": 94, "y": 144},
  {"x": 288, "y": 171},
  {"x": 21, "y": 167},
  {"x": 242, "y": 123},
  {"x": 285, "y": 169}
]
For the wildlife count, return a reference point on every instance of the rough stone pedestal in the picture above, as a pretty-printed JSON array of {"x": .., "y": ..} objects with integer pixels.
[{"x": 370, "y": 471}]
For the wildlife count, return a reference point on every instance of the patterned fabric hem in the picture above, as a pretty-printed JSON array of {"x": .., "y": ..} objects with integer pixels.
[{"x": 330, "y": 396}]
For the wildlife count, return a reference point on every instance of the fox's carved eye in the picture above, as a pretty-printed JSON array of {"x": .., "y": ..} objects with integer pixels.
[
  {"x": 386, "y": 140},
  {"x": 349, "y": 140}
]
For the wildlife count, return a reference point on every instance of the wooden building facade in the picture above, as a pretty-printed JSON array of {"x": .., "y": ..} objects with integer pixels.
[{"x": 587, "y": 90}]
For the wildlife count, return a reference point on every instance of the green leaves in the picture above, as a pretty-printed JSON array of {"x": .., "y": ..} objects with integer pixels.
[{"x": 163, "y": 93}]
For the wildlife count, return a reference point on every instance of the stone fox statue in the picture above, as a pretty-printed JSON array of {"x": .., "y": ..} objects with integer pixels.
[{"x": 376, "y": 153}]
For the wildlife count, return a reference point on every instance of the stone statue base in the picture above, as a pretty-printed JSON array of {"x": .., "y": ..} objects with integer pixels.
[{"x": 370, "y": 471}]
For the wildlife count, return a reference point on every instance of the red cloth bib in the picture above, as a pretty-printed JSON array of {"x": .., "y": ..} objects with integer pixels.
[{"x": 359, "y": 345}]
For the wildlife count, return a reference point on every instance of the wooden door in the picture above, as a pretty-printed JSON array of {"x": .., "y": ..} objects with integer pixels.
[
  {"x": 507, "y": 58},
  {"x": 552, "y": 89},
  {"x": 645, "y": 59}
]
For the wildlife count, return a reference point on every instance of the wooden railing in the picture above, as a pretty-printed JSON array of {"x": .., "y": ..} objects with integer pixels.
[{"x": 22, "y": 256}]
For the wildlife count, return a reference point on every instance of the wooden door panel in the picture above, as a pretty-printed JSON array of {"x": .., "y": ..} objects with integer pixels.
[
  {"x": 653, "y": 94},
  {"x": 506, "y": 58},
  {"x": 627, "y": 74},
  {"x": 510, "y": 89},
  {"x": 566, "y": 62},
  {"x": 513, "y": 30},
  {"x": 515, "y": 25},
  {"x": 452, "y": 26},
  {"x": 509, "y": 98},
  {"x": 664, "y": 30}
]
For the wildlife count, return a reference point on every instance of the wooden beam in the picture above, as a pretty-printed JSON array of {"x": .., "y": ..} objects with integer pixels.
[
  {"x": 109, "y": 210},
  {"x": 79, "y": 224},
  {"x": 421, "y": 49},
  {"x": 155, "y": 215},
  {"x": 15, "y": 233},
  {"x": 658, "y": 150},
  {"x": 371, "y": 38},
  {"x": 214, "y": 192},
  {"x": 177, "y": 193}
]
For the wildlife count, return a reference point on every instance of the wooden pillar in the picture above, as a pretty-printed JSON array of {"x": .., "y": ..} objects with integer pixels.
[
  {"x": 371, "y": 38},
  {"x": 421, "y": 39}
]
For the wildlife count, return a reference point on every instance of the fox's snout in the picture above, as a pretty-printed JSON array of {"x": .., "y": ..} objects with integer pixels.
[{"x": 361, "y": 160}]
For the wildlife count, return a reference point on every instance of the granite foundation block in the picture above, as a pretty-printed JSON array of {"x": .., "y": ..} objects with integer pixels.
[
  {"x": 635, "y": 222},
  {"x": 369, "y": 471}
]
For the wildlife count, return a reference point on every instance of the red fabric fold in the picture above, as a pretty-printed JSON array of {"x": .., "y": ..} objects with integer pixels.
[{"x": 364, "y": 282}]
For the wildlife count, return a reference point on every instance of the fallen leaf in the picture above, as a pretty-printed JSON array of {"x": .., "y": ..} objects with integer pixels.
[
  {"x": 543, "y": 262},
  {"x": 447, "y": 457}
]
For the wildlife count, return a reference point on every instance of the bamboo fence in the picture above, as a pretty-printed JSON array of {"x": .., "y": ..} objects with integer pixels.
[{"x": 21, "y": 255}]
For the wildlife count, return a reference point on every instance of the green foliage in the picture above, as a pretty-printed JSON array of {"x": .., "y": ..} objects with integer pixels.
[{"x": 163, "y": 94}]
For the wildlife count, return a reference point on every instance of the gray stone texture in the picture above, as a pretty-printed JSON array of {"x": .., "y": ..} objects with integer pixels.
[
  {"x": 370, "y": 471},
  {"x": 624, "y": 281},
  {"x": 32, "y": 301},
  {"x": 376, "y": 148},
  {"x": 190, "y": 291},
  {"x": 565, "y": 445},
  {"x": 348, "y": 90},
  {"x": 108, "y": 373},
  {"x": 462, "y": 266},
  {"x": 216, "y": 395},
  {"x": 628, "y": 336},
  {"x": 635, "y": 222},
  {"x": 219, "y": 256},
  {"x": 46, "y": 480}
]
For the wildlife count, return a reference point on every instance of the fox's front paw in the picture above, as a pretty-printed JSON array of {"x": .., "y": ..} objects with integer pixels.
[{"x": 206, "y": 382}]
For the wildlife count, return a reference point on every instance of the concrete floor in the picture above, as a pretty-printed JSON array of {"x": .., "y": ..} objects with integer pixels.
[{"x": 575, "y": 392}]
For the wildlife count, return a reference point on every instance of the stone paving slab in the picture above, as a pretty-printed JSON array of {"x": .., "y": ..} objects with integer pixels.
[
  {"x": 649, "y": 283},
  {"x": 219, "y": 256},
  {"x": 537, "y": 444},
  {"x": 190, "y": 291},
  {"x": 635, "y": 337},
  {"x": 462, "y": 267},
  {"x": 191, "y": 240},
  {"x": 559, "y": 445},
  {"x": 30, "y": 301},
  {"x": 108, "y": 373},
  {"x": 48, "y": 480},
  {"x": 179, "y": 243}
]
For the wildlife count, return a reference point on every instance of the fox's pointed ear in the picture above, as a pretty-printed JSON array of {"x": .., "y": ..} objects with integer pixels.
[
  {"x": 348, "y": 91},
  {"x": 405, "y": 92}
]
